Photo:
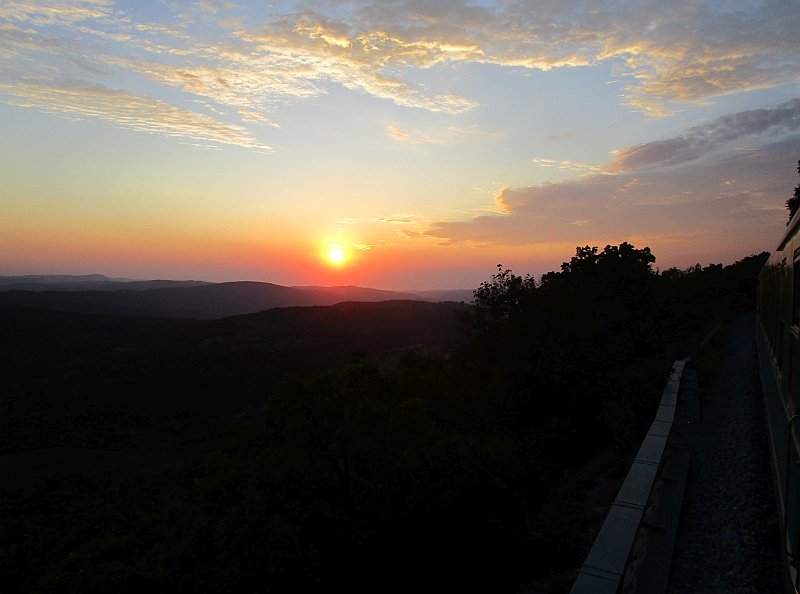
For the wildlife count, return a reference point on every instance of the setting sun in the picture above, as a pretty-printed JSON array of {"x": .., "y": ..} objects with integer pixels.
[{"x": 336, "y": 255}]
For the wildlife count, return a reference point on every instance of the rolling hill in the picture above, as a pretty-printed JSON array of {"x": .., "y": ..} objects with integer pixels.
[{"x": 204, "y": 302}]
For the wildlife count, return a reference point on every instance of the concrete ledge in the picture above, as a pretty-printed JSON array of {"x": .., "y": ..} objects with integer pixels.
[{"x": 605, "y": 567}]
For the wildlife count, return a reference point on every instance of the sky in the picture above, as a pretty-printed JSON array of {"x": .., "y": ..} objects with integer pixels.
[{"x": 399, "y": 144}]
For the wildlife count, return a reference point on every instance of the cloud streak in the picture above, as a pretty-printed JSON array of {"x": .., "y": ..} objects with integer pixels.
[
  {"x": 50, "y": 12},
  {"x": 696, "y": 183},
  {"x": 701, "y": 140},
  {"x": 450, "y": 135},
  {"x": 138, "y": 112},
  {"x": 650, "y": 205},
  {"x": 687, "y": 52}
]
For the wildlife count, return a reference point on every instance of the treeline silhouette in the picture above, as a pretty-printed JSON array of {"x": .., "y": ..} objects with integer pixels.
[{"x": 436, "y": 473}]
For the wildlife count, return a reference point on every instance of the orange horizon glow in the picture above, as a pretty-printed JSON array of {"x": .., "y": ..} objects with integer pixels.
[
  {"x": 408, "y": 265},
  {"x": 332, "y": 174}
]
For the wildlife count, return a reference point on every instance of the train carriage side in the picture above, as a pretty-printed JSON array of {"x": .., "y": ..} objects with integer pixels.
[{"x": 778, "y": 339}]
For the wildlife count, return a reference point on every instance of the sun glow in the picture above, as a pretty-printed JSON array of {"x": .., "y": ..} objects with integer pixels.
[{"x": 336, "y": 255}]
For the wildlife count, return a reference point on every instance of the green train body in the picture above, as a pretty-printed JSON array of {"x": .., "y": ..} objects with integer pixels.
[{"x": 778, "y": 337}]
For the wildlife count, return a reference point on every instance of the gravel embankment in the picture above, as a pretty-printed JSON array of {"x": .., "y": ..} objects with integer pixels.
[{"x": 724, "y": 543}]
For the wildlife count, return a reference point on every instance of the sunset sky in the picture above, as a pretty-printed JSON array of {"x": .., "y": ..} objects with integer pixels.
[{"x": 424, "y": 141}]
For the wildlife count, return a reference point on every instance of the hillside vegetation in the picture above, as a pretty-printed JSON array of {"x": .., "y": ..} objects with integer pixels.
[{"x": 450, "y": 471}]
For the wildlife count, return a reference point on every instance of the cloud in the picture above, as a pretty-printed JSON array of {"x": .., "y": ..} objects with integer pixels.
[
  {"x": 398, "y": 133},
  {"x": 395, "y": 220},
  {"x": 654, "y": 205},
  {"x": 410, "y": 234},
  {"x": 138, "y": 112},
  {"x": 687, "y": 52},
  {"x": 560, "y": 136},
  {"x": 701, "y": 140},
  {"x": 450, "y": 135},
  {"x": 577, "y": 166},
  {"x": 690, "y": 52},
  {"x": 411, "y": 226},
  {"x": 507, "y": 201},
  {"x": 215, "y": 7},
  {"x": 255, "y": 116},
  {"x": 50, "y": 12},
  {"x": 694, "y": 144},
  {"x": 235, "y": 80},
  {"x": 316, "y": 48}
]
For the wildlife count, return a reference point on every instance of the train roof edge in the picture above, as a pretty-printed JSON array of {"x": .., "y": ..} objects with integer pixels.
[{"x": 791, "y": 230}]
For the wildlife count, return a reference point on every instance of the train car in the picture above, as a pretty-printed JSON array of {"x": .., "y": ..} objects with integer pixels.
[{"x": 778, "y": 337}]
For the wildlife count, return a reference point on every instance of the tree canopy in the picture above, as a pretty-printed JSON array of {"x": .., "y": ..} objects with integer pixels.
[
  {"x": 439, "y": 469},
  {"x": 793, "y": 203}
]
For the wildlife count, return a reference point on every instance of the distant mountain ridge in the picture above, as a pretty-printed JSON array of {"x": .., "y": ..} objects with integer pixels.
[
  {"x": 457, "y": 295},
  {"x": 99, "y": 294},
  {"x": 87, "y": 282},
  {"x": 353, "y": 293},
  {"x": 205, "y": 301},
  {"x": 58, "y": 278}
]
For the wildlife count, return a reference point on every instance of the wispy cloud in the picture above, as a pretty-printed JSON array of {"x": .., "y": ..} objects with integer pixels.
[
  {"x": 567, "y": 165},
  {"x": 578, "y": 166},
  {"x": 450, "y": 135},
  {"x": 687, "y": 52},
  {"x": 83, "y": 99},
  {"x": 314, "y": 47},
  {"x": 215, "y": 7},
  {"x": 701, "y": 140},
  {"x": 506, "y": 200},
  {"x": 398, "y": 219},
  {"x": 561, "y": 136},
  {"x": 410, "y": 233},
  {"x": 729, "y": 195},
  {"x": 604, "y": 209},
  {"x": 256, "y": 116},
  {"x": 50, "y": 12},
  {"x": 407, "y": 225}
]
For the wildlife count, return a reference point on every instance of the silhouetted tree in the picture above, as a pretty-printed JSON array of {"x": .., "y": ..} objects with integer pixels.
[
  {"x": 505, "y": 293},
  {"x": 448, "y": 470},
  {"x": 793, "y": 203}
]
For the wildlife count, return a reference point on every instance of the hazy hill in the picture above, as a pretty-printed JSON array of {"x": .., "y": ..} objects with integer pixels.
[
  {"x": 207, "y": 301},
  {"x": 111, "y": 285},
  {"x": 353, "y": 293},
  {"x": 86, "y": 282},
  {"x": 98, "y": 294},
  {"x": 57, "y": 279},
  {"x": 457, "y": 295}
]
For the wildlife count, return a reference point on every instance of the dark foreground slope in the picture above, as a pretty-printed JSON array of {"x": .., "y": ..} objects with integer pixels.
[
  {"x": 84, "y": 380},
  {"x": 483, "y": 468}
]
